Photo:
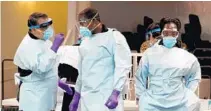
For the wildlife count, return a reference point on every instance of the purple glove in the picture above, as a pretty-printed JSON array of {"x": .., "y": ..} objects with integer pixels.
[
  {"x": 59, "y": 38},
  {"x": 112, "y": 101},
  {"x": 75, "y": 101},
  {"x": 65, "y": 87}
]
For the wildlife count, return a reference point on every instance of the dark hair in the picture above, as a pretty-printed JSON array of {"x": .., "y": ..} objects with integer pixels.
[
  {"x": 89, "y": 13},
  {"x": 33, "y": 18},
  {"x": 154, "y": 26},
  {"x": 168, "y": 20}
]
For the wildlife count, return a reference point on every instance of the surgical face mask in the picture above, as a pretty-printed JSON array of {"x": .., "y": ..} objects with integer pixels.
[
  {"x": 48, "y": 33},
  {"x": 169, "y": 41},
  {"x": 85, "y": 32}
]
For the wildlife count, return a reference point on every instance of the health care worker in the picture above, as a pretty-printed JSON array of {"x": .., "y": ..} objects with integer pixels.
[
  {"x": 36, "y": 58},
  {"x": 166, "y": 66},
  {"x": 152, "y": 36},
  {"x": 105, "y": 61}
]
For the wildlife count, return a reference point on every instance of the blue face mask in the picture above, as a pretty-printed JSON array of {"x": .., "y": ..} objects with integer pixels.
[
  {"x": 169, "y": 41},
  {"x": 85, "y": 32},
  {"x": 48, "y": 33}
]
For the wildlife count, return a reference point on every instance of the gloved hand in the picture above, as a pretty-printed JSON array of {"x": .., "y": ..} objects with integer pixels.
[
  {"x": 65, "y": 87},
  {"x": 112, "y": 101},
  {"x": 59, "y": 38},
  {"x": 75, "y": 101}
]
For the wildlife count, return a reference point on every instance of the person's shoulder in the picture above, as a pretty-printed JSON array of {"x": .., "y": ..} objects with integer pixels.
[
  {"x": 183, "y": 51},
  {"x": 118, "y": 36},
  {"x": 150, "y": 51},
  {"x": 187, "y": 54},
  {"x": 155, "y": 48},
  {"x": 29, "y": 45},
  {"x": 144, "y": 46}
]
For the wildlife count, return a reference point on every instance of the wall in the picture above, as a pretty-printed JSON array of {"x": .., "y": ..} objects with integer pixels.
[
  {"x": 74, "y": 8},
  {"x": 14, "y": 23},
  {"x": 126, "y": 15}
]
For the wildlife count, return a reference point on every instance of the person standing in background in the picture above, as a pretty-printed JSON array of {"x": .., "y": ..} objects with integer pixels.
[{"x": 152, "y": 36}]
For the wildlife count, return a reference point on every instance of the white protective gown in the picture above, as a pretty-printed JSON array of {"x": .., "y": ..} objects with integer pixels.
[
  {"x": 166, "y": 70},
  {"x": 105, "y": 61},
  {"x": 38, "y": 90}
]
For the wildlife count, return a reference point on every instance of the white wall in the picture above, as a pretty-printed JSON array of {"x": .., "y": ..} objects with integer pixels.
[{"x": 126, "y": 15}]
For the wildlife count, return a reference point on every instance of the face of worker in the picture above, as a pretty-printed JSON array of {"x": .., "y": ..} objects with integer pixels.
[
  {"x": 91, "y": 24},
  {"x": 170, "y": 30},
  {"x": 40, "y": 31}
]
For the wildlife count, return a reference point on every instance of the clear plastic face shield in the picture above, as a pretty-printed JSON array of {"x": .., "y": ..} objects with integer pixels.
[
  {"x": 46, "y": 29},
  {"x": 79, "y": 37}
]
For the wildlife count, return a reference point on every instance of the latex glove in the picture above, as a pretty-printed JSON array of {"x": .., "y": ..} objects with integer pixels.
[
  {"x": 65, "y": 87},
  {"x": 75, "y": 101},
  {"x": 59, "y": 38},
  {"x": 112, "y": 101}
]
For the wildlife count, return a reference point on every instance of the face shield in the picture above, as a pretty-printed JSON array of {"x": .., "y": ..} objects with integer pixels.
[
  {"x": 46, "y": 29},
  {"x": 149, "y": 33},
  {"x": 79, "y": 37},
  {"x": 43, "y": 25}
]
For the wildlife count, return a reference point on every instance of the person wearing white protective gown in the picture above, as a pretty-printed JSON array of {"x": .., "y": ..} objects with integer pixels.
[
  {"x": 105, "y": 61},
  {"x": 36, "y": 58},
  {"x": 166, "y": 66}
]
